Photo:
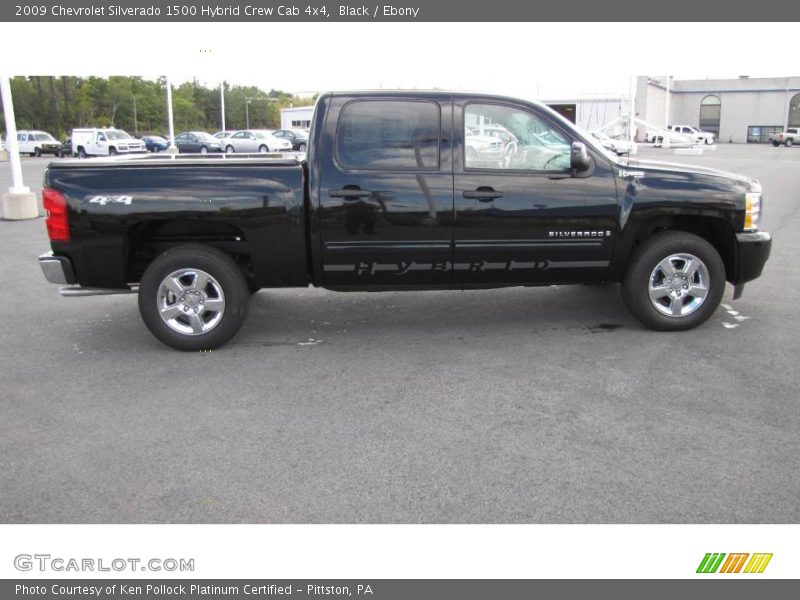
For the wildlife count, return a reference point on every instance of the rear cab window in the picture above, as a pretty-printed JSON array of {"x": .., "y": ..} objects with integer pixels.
[{"x": 389, "y": 135}]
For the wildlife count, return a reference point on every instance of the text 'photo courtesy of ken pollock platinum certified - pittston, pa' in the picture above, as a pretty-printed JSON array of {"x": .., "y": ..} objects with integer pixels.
[{"x": 213, "y": 11}]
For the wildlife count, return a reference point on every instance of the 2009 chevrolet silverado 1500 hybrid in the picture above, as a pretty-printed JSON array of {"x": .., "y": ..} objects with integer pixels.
[{"x": 401, "y": 191}]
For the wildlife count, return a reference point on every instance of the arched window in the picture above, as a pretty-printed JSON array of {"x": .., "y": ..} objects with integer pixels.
[
  {"x": 794, "y": 111},
  {"x": 710, "y": 108}
]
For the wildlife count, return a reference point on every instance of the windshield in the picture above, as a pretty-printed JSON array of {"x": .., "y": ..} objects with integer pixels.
[
  {"x": 117, "y": 134},
  {"x": 44, "y": 137}
]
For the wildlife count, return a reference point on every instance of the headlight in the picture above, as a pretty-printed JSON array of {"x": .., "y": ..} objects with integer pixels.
[{"x": 752, "y": 210}]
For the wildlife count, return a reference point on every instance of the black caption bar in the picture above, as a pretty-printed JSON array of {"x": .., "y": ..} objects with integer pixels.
[
  {"x": 398, "y": 589},
  {"x": 400, "y": 10}
]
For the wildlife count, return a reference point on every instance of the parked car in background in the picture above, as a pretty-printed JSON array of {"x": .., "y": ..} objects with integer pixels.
[
  {"x": 616, "y": 146},
  {"x": 701, "y": 137},
  {"x": 480, "y": 148},
  {"x": 94, "y": 141},
  {"x": 155, "y": 143},
  {"x": 197, "y": 141},
  {"x": 788, "y": 138},
  {"x": 66, "y": 147},
  {"x": 37, "y": 143},
  {"x": 256, "y": 140},
  {"x": 298, "y": 137}
]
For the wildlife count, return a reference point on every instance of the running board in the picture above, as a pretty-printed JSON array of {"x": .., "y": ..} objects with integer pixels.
[{"x": 71, "y": 291}]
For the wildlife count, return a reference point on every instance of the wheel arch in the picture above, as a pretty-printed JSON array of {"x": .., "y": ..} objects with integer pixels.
[
  {"x": 147, "y": 240},
  {"x": 715, "y": 229}
]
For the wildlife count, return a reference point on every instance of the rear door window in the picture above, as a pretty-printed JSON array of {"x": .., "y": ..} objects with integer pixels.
[{"x": 389, "y": 135}]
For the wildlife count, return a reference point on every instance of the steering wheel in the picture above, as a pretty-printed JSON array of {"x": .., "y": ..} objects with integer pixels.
[
  {"x": 549, "y": 160},
  {"x": 509, "y": 152}
]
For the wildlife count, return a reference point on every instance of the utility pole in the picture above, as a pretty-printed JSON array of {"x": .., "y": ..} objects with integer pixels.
[
  {"x": 247, "y": 102},
  {"x": 135, "y": 120}
]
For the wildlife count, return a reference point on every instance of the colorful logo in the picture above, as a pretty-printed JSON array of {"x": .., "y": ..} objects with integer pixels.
[{"x": 733, "y": 563}]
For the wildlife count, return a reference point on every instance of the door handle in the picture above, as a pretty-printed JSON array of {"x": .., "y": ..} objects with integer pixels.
[
  {"x": 483, "y": 194},
  {"x": 350, "y": 193}
]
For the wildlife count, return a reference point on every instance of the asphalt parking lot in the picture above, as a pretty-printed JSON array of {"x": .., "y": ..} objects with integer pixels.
[{"x": 547, "y": 405}]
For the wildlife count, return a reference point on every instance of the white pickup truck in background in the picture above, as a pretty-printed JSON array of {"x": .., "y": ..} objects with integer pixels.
[
  {"x": 104, "y": 142},
  {"x": 788, "y": 138}
]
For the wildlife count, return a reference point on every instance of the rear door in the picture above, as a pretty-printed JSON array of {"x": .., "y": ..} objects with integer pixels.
[
  {"x": 386, "y": 191},
  {"x": 522, "y": 216}
]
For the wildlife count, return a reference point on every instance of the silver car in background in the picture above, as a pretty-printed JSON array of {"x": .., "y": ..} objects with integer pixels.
[{"x": 255, "y": 140}]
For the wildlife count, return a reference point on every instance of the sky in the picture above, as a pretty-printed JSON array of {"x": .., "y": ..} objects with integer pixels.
[{"x": 528, "y": 60}]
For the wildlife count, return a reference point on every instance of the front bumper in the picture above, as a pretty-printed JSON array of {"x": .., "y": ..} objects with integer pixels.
[{"x": 752, "y": 252}]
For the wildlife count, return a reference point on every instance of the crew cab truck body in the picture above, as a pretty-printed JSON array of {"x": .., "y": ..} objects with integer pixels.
[{"x": 388, "y": 199}]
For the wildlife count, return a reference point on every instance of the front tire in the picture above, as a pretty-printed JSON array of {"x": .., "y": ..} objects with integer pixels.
[
  {"x": 229, "y": 150},
  {"x": 675, "y": 281},
  {"x": 301, "y": 148},
  {"x": 193, "y": 297},
  {"x": 203, "y": 150},
  {"x": 263, "y": 149}
]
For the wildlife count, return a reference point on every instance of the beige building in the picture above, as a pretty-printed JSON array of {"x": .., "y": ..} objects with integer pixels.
[{"x": 742, "y": 110}]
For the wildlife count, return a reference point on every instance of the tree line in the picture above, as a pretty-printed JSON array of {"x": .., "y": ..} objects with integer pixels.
[{"x": 139, "y": 106}]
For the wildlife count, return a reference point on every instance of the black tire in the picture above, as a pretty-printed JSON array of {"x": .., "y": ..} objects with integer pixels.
[
  {"x": 788, "y": 143},
  {"x": 263, "y": 149},
  {"x": 218, "y": 265},
  {"x": 644, "y": 261},
  {"x": 112, "y": 151},
  {"x": 81, "y": 153},
  {"x": 230, "y": 150},
  {"x": 776, "y": 144},
  {"x": 37, "y": 153},
  {"x": 301, "y": 148},
  {"x": 203, "y": 149}
]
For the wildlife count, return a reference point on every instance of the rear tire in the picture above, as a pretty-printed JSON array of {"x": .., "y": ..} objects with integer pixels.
[
  {"x": 182, "y": 311},
  {"x": 81, "y": 153},
  {"x": 263, "y": 149},
  {"x": 788, "y": 143},
  {"x": 203, "y": 150},
  {"x": 675, "y": 281},
  {"x": 37, "y": 153}
]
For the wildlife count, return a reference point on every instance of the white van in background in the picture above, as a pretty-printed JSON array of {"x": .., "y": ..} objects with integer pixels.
[{"x": 104, "y": 142}]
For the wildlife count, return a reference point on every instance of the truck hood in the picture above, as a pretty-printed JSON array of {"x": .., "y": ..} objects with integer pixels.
[{"x": 663, "y": 166}]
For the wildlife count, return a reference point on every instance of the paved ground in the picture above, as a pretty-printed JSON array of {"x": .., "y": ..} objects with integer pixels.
[{"x": 520, "y": 405}]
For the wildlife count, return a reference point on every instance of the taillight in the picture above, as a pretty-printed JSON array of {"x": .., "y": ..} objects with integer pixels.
[{"x": 56, "y": 206}]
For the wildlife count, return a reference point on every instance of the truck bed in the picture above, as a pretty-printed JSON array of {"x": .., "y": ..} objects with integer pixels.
[{"x": 251, "y": 206}]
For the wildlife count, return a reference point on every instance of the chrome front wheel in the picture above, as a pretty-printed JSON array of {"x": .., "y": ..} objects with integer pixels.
[{"x": 678, "y": 285}]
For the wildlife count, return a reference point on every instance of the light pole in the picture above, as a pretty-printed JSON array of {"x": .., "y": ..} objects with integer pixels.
[
  {"x": 172, "y": 149},
  {"x": 247, "y": 102},
  {"x": 222, "y": 103},
  {"x": 19, "y": 203}
]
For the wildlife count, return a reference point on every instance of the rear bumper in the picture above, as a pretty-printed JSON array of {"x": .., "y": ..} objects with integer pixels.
[
  {"x": 57, "y": 269},
  {"x": 752, "y": 251}
]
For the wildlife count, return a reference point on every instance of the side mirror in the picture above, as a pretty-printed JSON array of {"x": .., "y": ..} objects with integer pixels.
[{"x": 579, "y": 157}]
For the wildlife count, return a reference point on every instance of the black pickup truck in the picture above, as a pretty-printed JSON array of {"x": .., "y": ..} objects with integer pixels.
[{"x": 401, "y": 191}]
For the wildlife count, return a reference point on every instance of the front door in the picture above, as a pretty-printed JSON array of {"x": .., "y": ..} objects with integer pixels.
[
  {"x": 386, "y": 192},
  {"x": 522, "y": 216}
]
